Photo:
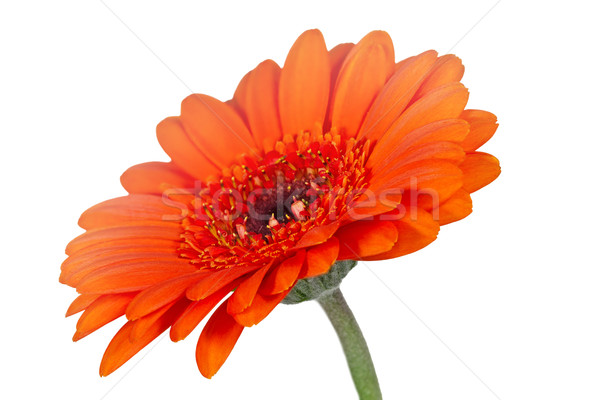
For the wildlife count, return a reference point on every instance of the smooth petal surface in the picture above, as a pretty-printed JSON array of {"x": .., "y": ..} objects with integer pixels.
[
  {"x": 448, "y": 151},
  {"x": 194, "y": 314},
  {"x": 448, "y": 130},
  {"x": 159, "y": 295},
  {"x": 337, "y": 55},
  {"x": 102, "y": 311},
  {"x": 155, "y": 178},
  {"x": 370, "y": 204},
  {"x": 80, "y": 303},
  {"x": 415, "y": 230},
  {"x": 176, "y": 142},
  {"x": 362, "y": 75},
  {"x": 396, "y": 95},
  {"x": 455, "y": 208},
  {"x": 317, "y": 235},
  {"x": 214, "y": 126},
  {"x": 262, "y": 104},
  {"x": 482, "y": 124},
  {"x": 447, "y": 69},
  {"x": 214, "y": 281},
  {"x": 82, "y": 265},
  {"x": 479, "y": 170},
  {"x": 240, "y": 97},
  {"x": 320, "y": 258},
  {"x": 134, "y": 276},
  {"x": 283, "y": 276},
  {"x": 122, "y": 348},
  {"x": 160, "y": 233},
  {"x": 142, "y": 324},
  {"x": 431, "y": 182},
  {"x": 90, "y": 254},
  {"x": 304, "y": 85},
  {"x": 446, "y": 102},
  {"x": 244, "y": 294},
  {"x": 135, "y": 207},
  {"x": 216, "y": 341},
  {"x": 365, "y": 238},
  {"x": 261, "y": 306}
]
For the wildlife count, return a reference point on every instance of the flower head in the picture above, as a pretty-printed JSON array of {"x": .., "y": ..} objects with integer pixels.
[{"x": 341, "y": 154}]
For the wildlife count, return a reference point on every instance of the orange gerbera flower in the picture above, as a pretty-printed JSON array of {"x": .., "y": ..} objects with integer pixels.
[{"x": 341, "y": 154}]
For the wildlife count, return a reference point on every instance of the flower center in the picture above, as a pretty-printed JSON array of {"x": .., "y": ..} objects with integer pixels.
[
  {"x": 287, "y": 200},
  {"x": 268, "y": 204}
]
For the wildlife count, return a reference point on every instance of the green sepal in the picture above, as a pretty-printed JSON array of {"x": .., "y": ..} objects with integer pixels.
[{"x": 313, "y": 288}]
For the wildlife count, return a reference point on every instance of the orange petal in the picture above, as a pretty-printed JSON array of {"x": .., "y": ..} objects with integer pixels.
[
  {"x": 239, "y": 101},
  {"x": 144, "y": 323},
  {"x": 81, "y": 303},
  {"x": 448, "y": 151},
  {"x": 244, "y": 294},
  {"x": 483, "y": 126},
  {"x": 261, "y": 306},
  {"x": 447, "y": 69},
  {"x": 455, "y": 208},
  {"x": 396, "y": 94},
  {"x": 216, "y": 280},
  {"x": 317, "y": 235},
  {"x": 88, "y": 254},
  {"x": 416, "y": 230},
  {"x": 283, "y": 276},
  {"x": 102, "y": 311},
  {"x": 159, "y": 295},
  {"x": 214, "y": 126},
  {"x": 447, "y": 130},
  {"x": 87, "y": 258},
  {"x": 194, "y": 314},
  {"x": 135, "y": 276},
  {"x": 320, "y": 258},
  {"x": 135, "y": 207},
  {"x": 479, "y": 170},
  {"x": 77, "y": 272},
  {"x": 337, "y": 55},
  {"x": 176, "y": 142},
  {"x": 446, "y": 102},
  {"x": 365, "y": 238},
  {"x": 155, "y": 178},
  {"x": 121, "y": 348},
  {"x": 216, "y": 341},
  {"x": 262, "y": 109},
  {"x": 304, "y": 85},
  {"x": 426, "y": 182},
  {"x": 161, "y": 232},
  {"x": 403, "y": 63},
  {"x": 363, "y": 74},
  {"x": 370, "y": 204}
]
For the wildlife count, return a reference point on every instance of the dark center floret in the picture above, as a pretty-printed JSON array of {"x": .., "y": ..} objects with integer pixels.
[{"x": 280, "y": 204}]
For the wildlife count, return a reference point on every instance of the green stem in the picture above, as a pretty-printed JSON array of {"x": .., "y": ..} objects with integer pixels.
[{"x": 354, "y": 344}]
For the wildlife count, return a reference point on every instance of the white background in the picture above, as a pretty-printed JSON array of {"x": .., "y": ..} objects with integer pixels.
[{"x": 504, "y": 305}]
